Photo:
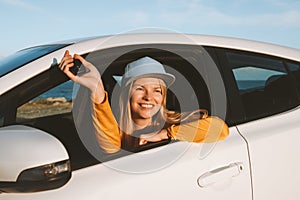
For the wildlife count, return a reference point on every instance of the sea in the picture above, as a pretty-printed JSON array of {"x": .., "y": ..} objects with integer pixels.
[{"x": 67, "y": 90}]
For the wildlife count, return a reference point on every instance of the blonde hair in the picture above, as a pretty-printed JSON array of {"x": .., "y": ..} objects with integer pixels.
[{"x": 161, "y": 117}]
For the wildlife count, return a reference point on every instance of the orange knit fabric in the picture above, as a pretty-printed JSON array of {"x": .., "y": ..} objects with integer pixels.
[{"x": 108, "y": 134}]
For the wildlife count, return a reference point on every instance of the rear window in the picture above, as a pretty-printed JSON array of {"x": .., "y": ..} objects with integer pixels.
[
  {"x": 264, "y": 83},
  {"x": 20, "y": 58}
]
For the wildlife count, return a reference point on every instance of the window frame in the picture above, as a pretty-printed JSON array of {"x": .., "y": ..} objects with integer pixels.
[
  {"x": 21, "y": 94},
  {"x": 130, "y": 55}
]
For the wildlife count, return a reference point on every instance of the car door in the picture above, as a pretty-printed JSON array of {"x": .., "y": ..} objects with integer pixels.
[
  {"x": 224, "y": 173},
  {"x": 176, "y": 170},
  {"x": 268, "y": 90}
]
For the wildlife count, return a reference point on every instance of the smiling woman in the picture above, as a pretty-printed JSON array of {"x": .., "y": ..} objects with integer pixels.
[{"x": 143, "y": 114}]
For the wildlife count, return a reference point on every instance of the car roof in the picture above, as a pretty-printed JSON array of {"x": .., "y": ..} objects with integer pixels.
[
  {"x": 89, "y": 44},
  {"x": 180, "y": 38},
  {"x": 197, "y": 39}
]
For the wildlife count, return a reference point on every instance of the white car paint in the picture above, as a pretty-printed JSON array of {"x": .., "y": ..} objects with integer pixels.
[
  {"x": 274, "y": 153},
  {"x": 174, "y": 181},
  {"x": 28, "y": 148}
]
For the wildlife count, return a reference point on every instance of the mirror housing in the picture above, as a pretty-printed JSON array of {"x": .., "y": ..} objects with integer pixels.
[{"x": 31, "y": 160}]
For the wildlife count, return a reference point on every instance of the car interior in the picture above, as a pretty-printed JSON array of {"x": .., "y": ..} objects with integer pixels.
[{"x": 279, "y": 93}]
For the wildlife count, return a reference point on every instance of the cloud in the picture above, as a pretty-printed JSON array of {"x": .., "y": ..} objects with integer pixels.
[
  {"x": 22, "y": 4},
  {"x": 200, "y": 13}
]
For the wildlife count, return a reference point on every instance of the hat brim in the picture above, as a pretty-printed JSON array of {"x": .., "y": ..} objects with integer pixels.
[{"x": 166, "y": 77}]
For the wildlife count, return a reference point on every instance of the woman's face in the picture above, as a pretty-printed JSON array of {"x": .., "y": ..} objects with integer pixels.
[{"x": 146, "y": 98}]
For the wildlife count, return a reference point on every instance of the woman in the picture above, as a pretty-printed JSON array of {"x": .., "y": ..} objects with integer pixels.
[{"x": 142, "y": 107}]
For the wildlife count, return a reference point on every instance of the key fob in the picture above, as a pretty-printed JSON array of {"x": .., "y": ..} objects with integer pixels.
[{"x": 77, "y": 65}]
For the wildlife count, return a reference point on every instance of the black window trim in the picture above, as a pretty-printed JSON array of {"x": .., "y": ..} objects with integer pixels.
[{"x": 235, "y": 106}]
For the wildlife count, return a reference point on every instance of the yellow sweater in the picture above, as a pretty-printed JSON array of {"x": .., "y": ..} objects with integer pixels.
[{"x": 210, "y": 129}]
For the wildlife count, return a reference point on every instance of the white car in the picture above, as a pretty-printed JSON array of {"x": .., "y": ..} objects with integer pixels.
[{"x": 48, "y": 152}]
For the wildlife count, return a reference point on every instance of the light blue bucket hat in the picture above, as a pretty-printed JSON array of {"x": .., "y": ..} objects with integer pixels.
[{"x": 145, "y": 67}]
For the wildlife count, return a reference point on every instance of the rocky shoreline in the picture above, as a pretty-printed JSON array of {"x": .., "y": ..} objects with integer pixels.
[{"x": 44, "y": 107}]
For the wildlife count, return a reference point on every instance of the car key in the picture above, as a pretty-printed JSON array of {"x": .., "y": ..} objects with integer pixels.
[{"x": 78, "y": 69}]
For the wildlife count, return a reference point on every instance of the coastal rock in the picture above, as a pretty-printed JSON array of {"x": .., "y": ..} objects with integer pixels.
[{"x": 56, "y": 100}]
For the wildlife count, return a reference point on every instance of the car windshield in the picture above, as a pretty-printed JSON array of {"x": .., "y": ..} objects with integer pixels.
[{"x": 20, "y": 58}]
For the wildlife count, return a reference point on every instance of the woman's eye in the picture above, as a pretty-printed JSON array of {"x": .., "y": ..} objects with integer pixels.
[
  {"x": 139, "y": 88},
  {"x": 158, "y": 90}
]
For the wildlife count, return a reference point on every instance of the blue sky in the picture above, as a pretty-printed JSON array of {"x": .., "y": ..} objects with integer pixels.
[{"x": 26, "y": 23}]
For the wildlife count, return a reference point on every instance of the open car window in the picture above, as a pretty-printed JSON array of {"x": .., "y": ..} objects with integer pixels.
[
  {"x": 56, "y": 101},
  {"x": 189, "y": 92}
]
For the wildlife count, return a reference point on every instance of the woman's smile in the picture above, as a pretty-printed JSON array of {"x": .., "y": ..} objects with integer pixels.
[{"x": 143, "y": 105}]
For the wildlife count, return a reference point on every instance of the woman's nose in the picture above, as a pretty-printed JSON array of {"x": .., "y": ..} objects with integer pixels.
[{"x": 148, "y": 95}]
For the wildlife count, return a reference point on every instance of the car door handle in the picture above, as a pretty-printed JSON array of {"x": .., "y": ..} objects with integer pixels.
[{"x": 220, "y": 174}]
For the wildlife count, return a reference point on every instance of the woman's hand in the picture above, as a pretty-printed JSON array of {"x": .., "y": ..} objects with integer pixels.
[
  {"x": 92, "y": 79},
  {"x": 153, "y": 137}
]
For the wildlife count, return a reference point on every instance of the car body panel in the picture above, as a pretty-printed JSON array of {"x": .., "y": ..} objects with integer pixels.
[
  {"x": 274, "y": 152},
  {"x": 176, "y": 180}
]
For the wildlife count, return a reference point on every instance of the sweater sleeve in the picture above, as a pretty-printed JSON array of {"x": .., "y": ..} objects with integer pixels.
[
  {"x": 210, "y": 129},
  {"x": 107, "y": 130}
]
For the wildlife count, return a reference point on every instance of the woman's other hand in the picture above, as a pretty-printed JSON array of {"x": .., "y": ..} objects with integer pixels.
[{"x": 153, "y": 137}]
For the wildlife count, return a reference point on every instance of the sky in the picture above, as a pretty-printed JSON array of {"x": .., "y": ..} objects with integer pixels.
[{"x": 26, "y": 23}]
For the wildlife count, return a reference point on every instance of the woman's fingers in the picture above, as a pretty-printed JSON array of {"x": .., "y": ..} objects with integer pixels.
[
  {"x": 79, "y": 57},
  {"x": 69, "y": 73},
  {"x": 82, "y": 60},
  {"x": 85, "y": 63},
  {"x": 66, "y": 60},
  {"x": 153, "y": 137},
  {"x": 66, "y": 63},
  {"x": 142, "y": 142},
  {"x": 66, "y": 53}
]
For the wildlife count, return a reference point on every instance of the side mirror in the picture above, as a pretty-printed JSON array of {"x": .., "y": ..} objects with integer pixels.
[{"x": 31, "y": 160}]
